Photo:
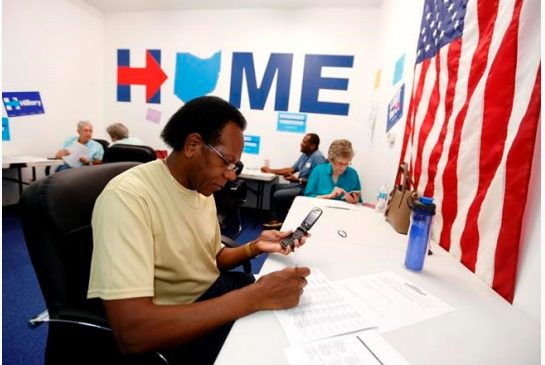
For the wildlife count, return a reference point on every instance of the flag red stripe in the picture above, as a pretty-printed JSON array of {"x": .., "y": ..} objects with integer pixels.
[
  {"x": 453, "y": 62},
  {"x": 517, "y": 177},
  {"x": 487, "y": 12},
  {"x": 428, "y": 121},
  {"x": 406, "y": 135},
  {"x": 409, "y": 129},
  {"x": 519, "y": 164},
  {"x": 498, "y": 104}
]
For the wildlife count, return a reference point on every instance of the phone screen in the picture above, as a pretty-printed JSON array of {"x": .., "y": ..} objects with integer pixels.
[{"x": 311, "y": 218}]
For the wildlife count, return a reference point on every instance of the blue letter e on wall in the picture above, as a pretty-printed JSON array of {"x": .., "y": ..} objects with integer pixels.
[{"x": 313, "y": 82}]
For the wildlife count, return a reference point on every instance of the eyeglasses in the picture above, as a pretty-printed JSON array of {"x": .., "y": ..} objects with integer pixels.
[
  {"x": 342, "y": 163},
  {"x": 231, "y": 166}
]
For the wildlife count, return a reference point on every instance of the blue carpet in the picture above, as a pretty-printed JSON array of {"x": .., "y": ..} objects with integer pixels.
[{"x": 22, "y": 298}]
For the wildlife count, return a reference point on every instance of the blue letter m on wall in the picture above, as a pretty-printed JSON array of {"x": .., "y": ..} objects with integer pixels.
[{"x": 279, "y": 63}]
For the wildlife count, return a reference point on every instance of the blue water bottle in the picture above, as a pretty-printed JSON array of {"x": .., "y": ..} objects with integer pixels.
[{"x": 419, "y": 235}]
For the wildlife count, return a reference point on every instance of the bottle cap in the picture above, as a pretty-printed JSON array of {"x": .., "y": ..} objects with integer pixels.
[
  {"x": 426, "y": 208},
  {"x": 426, "y": 200}
]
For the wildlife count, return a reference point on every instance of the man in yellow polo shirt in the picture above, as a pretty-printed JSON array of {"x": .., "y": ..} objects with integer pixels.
[{"x": 158, "y": 262}]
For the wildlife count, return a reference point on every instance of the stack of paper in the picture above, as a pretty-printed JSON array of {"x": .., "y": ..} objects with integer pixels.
[{"x": 330, "y": 309}]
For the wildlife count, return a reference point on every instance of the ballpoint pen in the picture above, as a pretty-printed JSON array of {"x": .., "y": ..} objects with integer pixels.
[{"x": 334, "y": 207}]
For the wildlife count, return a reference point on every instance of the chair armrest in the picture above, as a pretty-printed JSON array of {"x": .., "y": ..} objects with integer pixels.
[
  {"x": 38, "y": 319},
  {"x": 70, "y": 317},
  {"x": 229, "y": 242},
  {"x": 156, "y": 357}
]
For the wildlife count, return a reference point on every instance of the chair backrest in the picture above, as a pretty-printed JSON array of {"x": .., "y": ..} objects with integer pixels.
[
  {"x": 103, "y": 142},
  {"x": 228, "y": 200},
  {"x": 128, "y": 152},
  {"x": 56, "y": 219}
]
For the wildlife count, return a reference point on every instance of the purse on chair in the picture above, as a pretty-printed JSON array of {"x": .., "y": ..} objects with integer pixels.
[{"x": 398, "y": 210}]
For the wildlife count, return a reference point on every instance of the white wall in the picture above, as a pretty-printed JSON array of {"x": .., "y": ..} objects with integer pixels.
[
  {"x": 54, "y": 47},
  {"x": 399, "y": 29},
  {"x": 528, "y": 285},
  {"x": 262, "y": 32}
]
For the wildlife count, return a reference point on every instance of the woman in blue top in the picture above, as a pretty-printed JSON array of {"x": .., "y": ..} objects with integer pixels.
[{"x": 336, "y": 180}]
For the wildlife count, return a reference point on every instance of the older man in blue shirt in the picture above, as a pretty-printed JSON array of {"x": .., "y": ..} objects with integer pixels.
[{"x": 94, "y": 154}]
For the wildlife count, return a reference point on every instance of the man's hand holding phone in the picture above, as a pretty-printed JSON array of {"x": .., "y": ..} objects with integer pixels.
[
  {"x": 271, "y": 241},
  {"x": 303, "y": 229}
]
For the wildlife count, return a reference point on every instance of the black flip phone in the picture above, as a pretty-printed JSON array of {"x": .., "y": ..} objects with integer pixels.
[{"x": 305, "y": 226}]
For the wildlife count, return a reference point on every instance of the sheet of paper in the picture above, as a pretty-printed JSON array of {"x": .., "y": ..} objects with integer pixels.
[
  {"x": 333, "y": 204},
  {"x": 77, "y": 150},
  {"x": 390, "y": 301},
  {"x": 362, "y": 348},
  {"x": 322, "y": 312}
]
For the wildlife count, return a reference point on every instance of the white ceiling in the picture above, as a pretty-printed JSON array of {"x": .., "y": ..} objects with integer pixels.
[{"x": 113, "y": 6}]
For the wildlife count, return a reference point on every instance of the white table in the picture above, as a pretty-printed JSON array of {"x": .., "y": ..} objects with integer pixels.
[
  {"x": 19, "y": 162},
  {"x": 482, "y": 329},
  {"x": 261, "y": 178}
]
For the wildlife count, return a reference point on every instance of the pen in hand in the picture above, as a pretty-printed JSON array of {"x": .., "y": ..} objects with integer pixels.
[{"x": 294, "y": 256}]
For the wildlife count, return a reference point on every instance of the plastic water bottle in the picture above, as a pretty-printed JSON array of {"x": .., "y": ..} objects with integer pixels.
[
  {"x": 419, "y": 234},
  {"x": 380, "y": 206}
]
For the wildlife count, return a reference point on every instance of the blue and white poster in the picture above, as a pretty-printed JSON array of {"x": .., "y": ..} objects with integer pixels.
[
  {"x": 292, "y": 122},
  {"x": 5, "y": 129},
  {"x": 395, "y": 108},
  {"x": 251, "y": 144},
  {"x": 22, "y": 103}
]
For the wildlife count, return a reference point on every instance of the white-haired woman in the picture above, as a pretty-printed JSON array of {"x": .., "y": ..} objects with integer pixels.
[{"x": 336, "y": 179}]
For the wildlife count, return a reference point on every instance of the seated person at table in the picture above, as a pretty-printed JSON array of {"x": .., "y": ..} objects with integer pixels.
[
  {"x": 282, "y": 195},
  {"x": 120, "y": 134},
  {"x": 336, "y": 180},
  {"x": 89, "y": 152},
  {"x": 158, "y": 263}
]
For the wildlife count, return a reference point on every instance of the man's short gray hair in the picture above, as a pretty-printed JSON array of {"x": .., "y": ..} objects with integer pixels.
[{"x": 84, "y": 123}]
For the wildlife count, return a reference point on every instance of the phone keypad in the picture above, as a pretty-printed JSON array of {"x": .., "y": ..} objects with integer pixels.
[{"x": 294, "y": 236}]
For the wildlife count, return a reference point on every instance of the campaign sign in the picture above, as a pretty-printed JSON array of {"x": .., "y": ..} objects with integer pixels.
[
  {"x": 5, "y": 129},
  {"x": 251, "y": 144},
  {"x": 292, "y": 122},
  {"x": 395, "y": 108},
  {"x": 22, "y": 103}
]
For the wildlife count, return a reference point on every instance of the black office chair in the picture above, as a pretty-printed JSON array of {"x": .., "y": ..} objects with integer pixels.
[
  {"x": 126, "y": 152},
  {"x": 228, "y": 201},
  {"x": 56, "y": 220},
  {"x": 103, "y": 142}
]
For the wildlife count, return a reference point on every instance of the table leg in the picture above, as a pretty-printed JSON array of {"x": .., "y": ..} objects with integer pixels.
[
  {"x": 260, "y": 189},
  {"x": 20, "y": 179}
]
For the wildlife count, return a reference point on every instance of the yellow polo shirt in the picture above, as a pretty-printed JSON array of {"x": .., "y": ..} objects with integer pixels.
[{"x": 153, "y": 238}]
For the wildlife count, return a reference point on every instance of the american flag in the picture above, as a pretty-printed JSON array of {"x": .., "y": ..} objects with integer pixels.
[{"x": 471, "y": 127}]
